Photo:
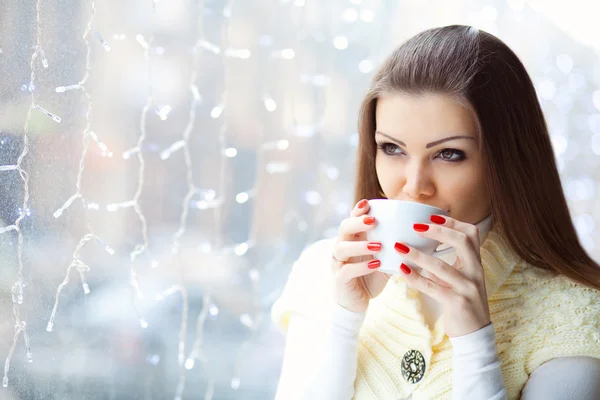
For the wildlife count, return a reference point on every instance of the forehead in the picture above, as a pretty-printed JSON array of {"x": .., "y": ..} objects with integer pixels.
[{"x": 427, "y": 117}]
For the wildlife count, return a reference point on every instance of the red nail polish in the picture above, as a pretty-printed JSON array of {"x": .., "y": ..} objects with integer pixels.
[
  {"x": 374, "y": 246},
  {"x": 374, "y": 264},
  {"x": 369, "y": 220},
  {"x": 405, "y": 268},
  {"x": 362, "y": 203},
  {"x": 420, "y": 227},
  {"x": 402, "y": 248},
  {"x": 436, "y": 219}
]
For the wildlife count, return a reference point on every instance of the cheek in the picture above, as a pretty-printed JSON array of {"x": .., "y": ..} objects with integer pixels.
[
  {"x": 464, "y": 182},
  {"x": 466, "y": 191},
  {"x": 386, "y": 174}
]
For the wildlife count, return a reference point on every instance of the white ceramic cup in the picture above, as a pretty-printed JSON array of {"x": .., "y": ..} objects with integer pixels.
[{"x": 394, "y": 223}]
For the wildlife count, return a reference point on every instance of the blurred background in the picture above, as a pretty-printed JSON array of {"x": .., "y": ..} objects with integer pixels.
[{"x": 163, "y": 162}]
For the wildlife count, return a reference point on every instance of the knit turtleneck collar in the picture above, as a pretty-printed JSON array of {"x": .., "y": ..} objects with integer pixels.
[{"x": 497, "y": 258}]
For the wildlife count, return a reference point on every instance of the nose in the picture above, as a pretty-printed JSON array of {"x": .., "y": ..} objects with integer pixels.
[{"x": 418, "y": 182}]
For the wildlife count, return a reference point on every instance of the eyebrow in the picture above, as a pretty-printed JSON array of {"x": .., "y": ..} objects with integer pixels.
[{"x": 428, "y": 145}]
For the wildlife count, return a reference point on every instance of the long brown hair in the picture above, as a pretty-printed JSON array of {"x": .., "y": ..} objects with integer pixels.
[{"x": 527, "y": 201}]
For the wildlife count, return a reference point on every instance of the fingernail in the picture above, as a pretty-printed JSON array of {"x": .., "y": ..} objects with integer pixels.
[
  {"x": 362, "y": 203},
  {"x": 437, "y": 219},
  {"x": 374, "y": 264},
  {"x": 374, "y": 246},
  {"x": 369, "y": 220},
  {"x": 420, "y": 227},
  {"x": 405, "y": 268},
  {"x": 402, "y": 248}
]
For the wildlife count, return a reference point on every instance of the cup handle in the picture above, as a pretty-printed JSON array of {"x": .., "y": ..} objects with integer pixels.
[{"x": 439, "y": 253}]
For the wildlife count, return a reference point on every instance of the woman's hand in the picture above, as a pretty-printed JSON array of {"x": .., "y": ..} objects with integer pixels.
[
  {"x": 462, "y": 292},
  {"x": 356, "y": 279}
]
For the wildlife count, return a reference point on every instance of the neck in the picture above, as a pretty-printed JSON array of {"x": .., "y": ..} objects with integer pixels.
[{"x": 484, "y": 226}]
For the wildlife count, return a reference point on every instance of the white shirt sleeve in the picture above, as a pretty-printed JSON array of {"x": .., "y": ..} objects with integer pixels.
[
  {"x": 476, "y": 368},
  {"x": 564, "y": 378},
  {"x": 320, "y": 361}
]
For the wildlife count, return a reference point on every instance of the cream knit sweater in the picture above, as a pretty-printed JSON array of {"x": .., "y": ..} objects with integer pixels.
[{"x": 537, "y": 316}]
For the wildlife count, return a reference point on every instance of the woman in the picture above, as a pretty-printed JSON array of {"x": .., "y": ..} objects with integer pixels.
[{"x": 451, "y": 120}]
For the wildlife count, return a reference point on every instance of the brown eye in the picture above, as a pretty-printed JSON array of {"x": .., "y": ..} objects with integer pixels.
[
  {"x": 389, "y": 148},
  {"x": 452, "y": 155}
]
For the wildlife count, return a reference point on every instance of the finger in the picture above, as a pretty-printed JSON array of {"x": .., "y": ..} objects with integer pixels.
[
  {"x": 427, "y": 286},
  {"x": 347, "y": 249},
  {"x": 355, "y": 225},
  {"x": 441, "y": 269},
  {"x": 469, "y": 229},
  {"x": 354, "y": 270},
  {"x": 360, "y": 208},
  {"x": 457, "y": 239}
]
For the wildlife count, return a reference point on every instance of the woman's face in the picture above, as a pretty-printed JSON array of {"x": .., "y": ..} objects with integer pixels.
[{"x": 428, "y": 152}]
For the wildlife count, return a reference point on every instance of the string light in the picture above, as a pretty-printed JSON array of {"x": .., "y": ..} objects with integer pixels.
[
  {"x": 211, "y": 202},
  {"x": 17, "y": 287},
  {"x": 231, "y": 152},
  {"x": 139, "y": 248},
  {"x": 76, "y": 262},
  {"x": 104, "y": 44},
  {"x": 88, "y": 117},
  {"x": 54, "y": 117},
  {"x": 81, "y": 267}
]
